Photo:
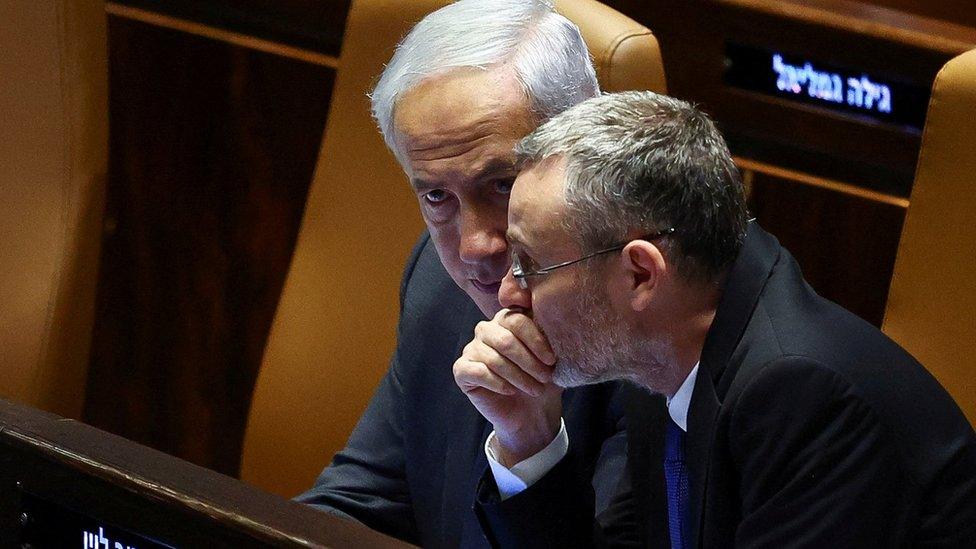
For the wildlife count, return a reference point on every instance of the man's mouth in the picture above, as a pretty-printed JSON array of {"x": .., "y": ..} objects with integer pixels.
[{"x": 491, "y": 288}]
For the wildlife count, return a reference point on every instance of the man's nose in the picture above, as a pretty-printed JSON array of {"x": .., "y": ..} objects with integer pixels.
[
  {"x": 511, "y": 295},
  {"x": 482, "y": 237}
]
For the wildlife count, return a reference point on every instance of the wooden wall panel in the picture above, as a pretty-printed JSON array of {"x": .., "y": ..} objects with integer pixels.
[
  {"x": 845, "y": 241},
  {"x": 693, "y": 36},
  {"x": 212, "y": 150},
  {"x": 845, "y": 244},
  {"x": 312, "y": 24},
  {"x": 962, "y": 12}
]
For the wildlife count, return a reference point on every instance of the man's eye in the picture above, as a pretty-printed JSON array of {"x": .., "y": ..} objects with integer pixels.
[
  {"x": 528, "y": 264},
  {"x": 435, "y": 196},
  {"x": 504, "y": 186}
]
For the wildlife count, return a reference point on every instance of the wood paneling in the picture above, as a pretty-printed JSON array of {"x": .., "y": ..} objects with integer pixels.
[
  {"x": 962, "y": 12},
  {"x": 844, "y": 233},
  {"x": 312, "y": 24},
  {"x": 212, "y": 150},
  {"x": 845, "y": 244},
  {"x": 57, "y": 471},
  {"x": 220, "y": 34},
  {"x": 693, "y": 36}
]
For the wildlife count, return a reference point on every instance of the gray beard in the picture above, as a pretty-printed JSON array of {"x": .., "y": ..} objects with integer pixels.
[
  {"x": 629, "y": 360},
  {"x": 596, "y": 345}
]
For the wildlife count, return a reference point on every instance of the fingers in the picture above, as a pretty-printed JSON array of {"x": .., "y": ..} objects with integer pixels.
[
  {"x": 484, "y": 366},
  {"x": 528, "y": 333},
  {"x": 517, "y": 339},
  {"x": 473, "y": 377},
  {"x": 505, "y": 354},
  {"x": 508, "y": 355},
  {"x": 513, "y": 373}
]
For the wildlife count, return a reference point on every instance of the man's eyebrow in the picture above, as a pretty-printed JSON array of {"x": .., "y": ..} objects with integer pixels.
[
  {"x": 495, "y": 166},
  {"x": 512, "y": 238},
  {"x": 490, "y": 169},
  {"x": 422, "y": 185}
]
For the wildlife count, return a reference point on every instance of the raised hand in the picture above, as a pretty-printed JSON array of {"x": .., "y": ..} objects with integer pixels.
[{"x": 506, "y": 372}]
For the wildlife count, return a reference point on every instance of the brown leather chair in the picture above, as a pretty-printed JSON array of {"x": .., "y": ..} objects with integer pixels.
[
  {"x": 53, "y": 158},
  {"x": 336, "y": 322},
  {"x": 932, "y": 301}
]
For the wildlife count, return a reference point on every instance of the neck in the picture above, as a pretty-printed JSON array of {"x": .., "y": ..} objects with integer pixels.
[{"x": 680, "y": 336}]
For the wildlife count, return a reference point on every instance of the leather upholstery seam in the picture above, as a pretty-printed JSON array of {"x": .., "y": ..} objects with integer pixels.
[{"x": 606, "y": 58}]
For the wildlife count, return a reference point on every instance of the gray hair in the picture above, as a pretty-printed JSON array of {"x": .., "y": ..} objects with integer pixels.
[
  {"x": 648, "y": 162},
  {"x": 545, "y": 50}
]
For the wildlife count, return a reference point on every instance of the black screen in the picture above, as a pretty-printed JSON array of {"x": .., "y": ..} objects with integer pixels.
[
  {"x": 846, "y": 91},
  {"x": 46, "y": 524}
]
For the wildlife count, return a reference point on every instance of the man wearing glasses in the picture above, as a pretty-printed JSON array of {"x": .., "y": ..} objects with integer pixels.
[
  {"x": 463, "y": 87},
  {"x": 789, "y": 421}
]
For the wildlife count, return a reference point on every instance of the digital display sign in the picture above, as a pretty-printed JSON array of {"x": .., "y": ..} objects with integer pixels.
[
  {"x": 46, "y": 524},
  {"x": 842, "y": 90}
]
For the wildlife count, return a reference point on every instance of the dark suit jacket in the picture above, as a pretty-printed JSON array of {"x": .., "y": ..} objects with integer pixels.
[
  {"x": 807, "y": 427},
  {"x": 411, "y": 466}
]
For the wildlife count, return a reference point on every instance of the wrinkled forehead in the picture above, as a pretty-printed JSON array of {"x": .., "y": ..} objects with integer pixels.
[
  {"x": 461, "y": 127},
  {"x": 458, "y": 104}
]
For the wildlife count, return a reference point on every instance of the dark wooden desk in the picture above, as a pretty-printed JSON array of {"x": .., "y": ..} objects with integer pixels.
[{"x": 54, "y": 466}]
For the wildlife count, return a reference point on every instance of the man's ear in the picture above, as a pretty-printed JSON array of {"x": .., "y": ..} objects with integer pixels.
[{"x": 645, "y": 267}]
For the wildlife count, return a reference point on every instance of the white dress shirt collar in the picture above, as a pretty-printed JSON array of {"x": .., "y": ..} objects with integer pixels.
[{"x": 679, "y": 403}]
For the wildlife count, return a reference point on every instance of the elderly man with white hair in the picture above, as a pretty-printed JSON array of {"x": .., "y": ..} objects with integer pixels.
[{"x": 463, "y": 87}]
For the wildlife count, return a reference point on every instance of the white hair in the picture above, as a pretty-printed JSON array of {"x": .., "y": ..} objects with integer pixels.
[{"x": 546, "y": 51}]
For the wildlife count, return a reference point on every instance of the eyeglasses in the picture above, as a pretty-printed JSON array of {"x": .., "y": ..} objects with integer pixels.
[{"x": 520, "y": 274}]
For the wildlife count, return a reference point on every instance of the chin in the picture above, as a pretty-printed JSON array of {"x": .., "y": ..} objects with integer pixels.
[{"x": 566, "y": 375}]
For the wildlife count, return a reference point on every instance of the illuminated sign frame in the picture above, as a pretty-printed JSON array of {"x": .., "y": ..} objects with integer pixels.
[
  {"x": 851, "y": 93},
  {"x": 48, "y": 524}
]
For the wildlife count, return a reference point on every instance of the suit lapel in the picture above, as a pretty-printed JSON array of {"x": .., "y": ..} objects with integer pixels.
[
  {"x": 701, "y": 431},
  {"x": 476, "y": 426},
  {"x": 646, "y": 414},
  {"x": 745, "y": 283},
  {"x": 464, "y": 460}
]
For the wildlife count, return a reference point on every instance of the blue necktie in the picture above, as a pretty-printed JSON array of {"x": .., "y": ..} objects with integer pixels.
[{"x": 676, "y": 476}]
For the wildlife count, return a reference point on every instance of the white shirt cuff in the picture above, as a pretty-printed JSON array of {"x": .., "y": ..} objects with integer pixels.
[{"x": 526, "y": 472}]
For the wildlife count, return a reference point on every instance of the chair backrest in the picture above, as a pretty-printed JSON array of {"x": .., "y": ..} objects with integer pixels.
[
  {"x": 335, "y": 326},
  {"x": 931, "y": 307},
  {"x": 53, "y": 161}
]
